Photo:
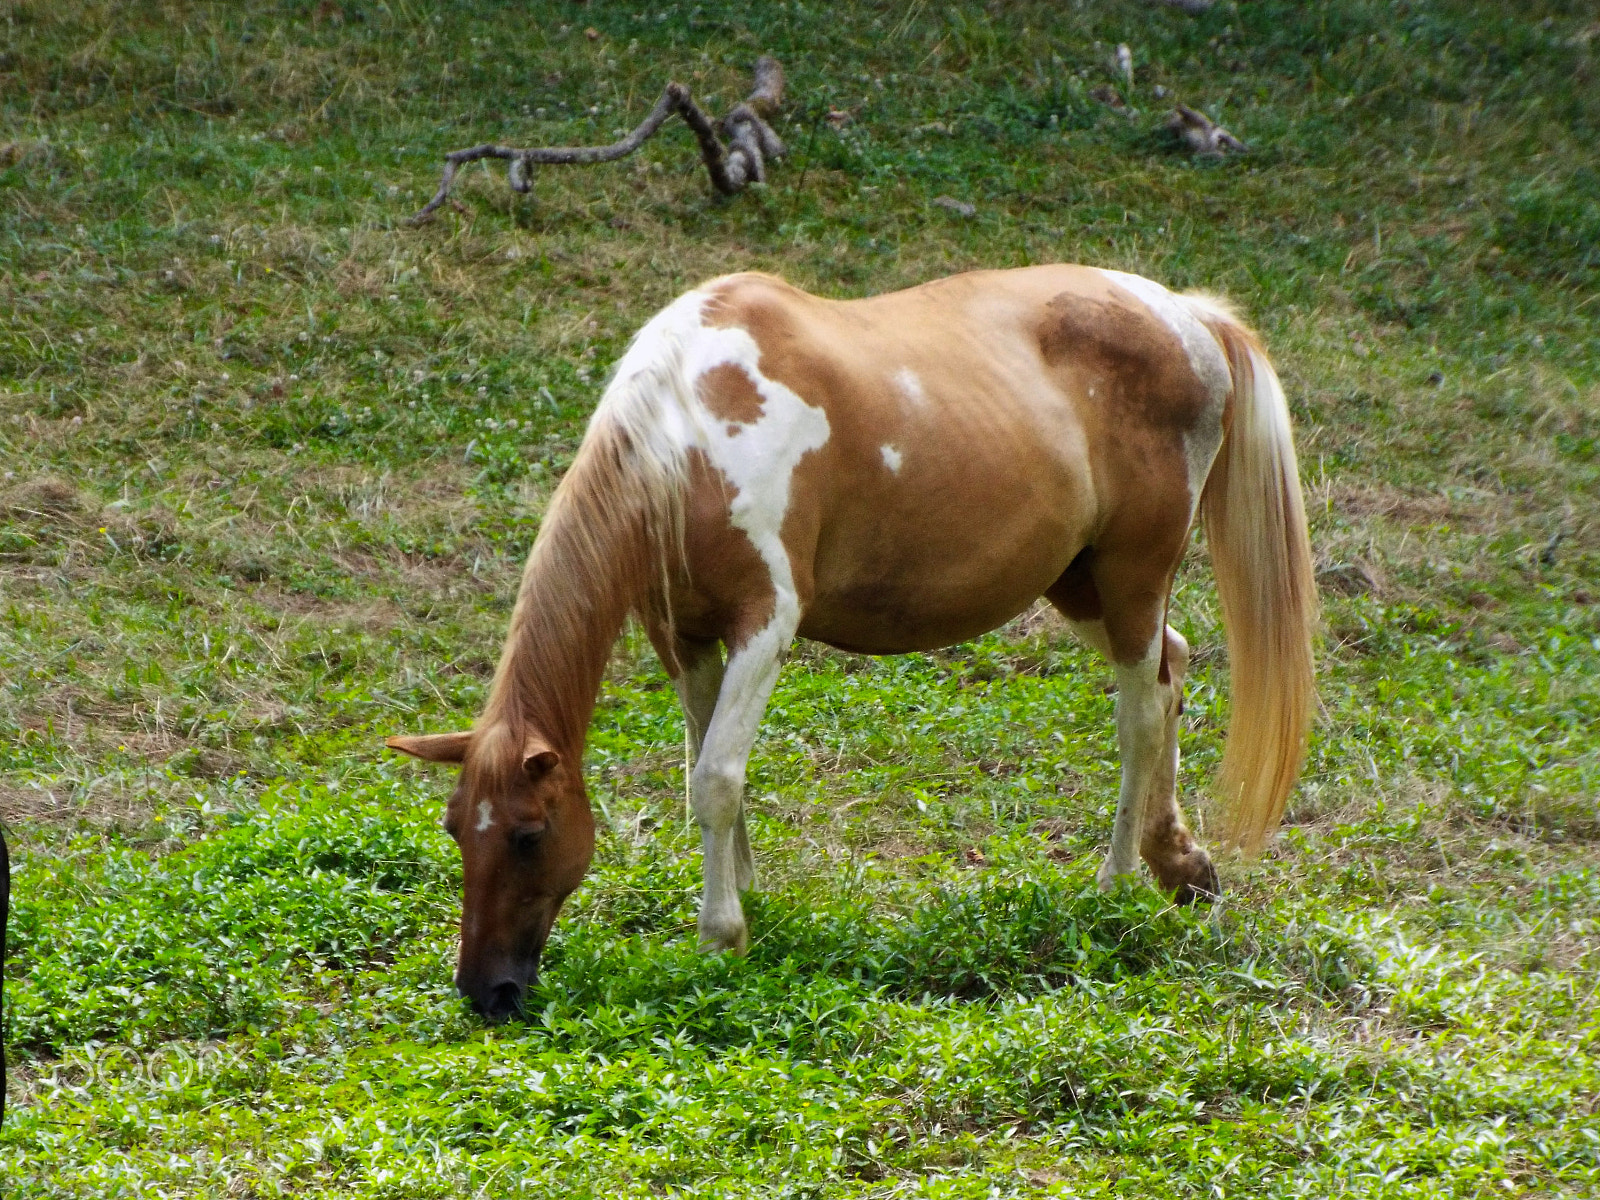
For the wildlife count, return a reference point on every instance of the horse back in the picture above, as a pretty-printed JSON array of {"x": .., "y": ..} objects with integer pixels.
[{"x": 970, "y": 437}]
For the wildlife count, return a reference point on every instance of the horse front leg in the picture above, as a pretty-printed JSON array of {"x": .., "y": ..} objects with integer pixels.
[
  {"x": 717, "y": 786},
  {"x": 698, "y": 683}
]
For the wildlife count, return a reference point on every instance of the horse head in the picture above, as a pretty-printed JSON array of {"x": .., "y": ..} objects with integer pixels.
[{"x": 521, "y": 818}]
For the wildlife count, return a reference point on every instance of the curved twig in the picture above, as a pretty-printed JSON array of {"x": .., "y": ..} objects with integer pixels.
[{"x": 751, "y": 141}]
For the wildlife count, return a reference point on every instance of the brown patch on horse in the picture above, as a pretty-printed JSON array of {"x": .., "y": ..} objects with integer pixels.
[
  {"x": 744, "y": 299},
  {"x": 1137, "y": 365},
  {"x": 725, "y": 588},
  {"x": 783, "y": 320},
  {"x": 1104, "y": 333},
  {"x": 1138, "y": 396},
  {"x": 729, "y": 394}
]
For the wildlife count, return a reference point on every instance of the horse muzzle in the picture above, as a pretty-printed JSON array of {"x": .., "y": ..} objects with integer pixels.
[
  {"x": 499, "y": 1001},
  {"x": 498, "y": 994}
]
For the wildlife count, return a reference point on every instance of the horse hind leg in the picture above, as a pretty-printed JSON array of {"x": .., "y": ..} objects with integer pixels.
[
  {"x": 1139, "y": 744},
  {"x": 1175, "y": 858},
  {"x": 1148, "y": 658}
]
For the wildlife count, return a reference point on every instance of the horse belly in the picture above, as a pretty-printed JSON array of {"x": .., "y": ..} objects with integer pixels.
[{"x": 916, "y": 576}]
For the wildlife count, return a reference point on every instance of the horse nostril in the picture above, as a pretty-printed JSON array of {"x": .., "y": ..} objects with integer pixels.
[{"x": 504, "y": 1000}]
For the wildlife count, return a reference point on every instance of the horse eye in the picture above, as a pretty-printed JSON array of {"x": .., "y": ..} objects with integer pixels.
[{"x": 526, "y": 838}]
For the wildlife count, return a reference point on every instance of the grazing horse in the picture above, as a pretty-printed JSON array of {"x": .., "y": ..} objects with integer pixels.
[{"x": 887, "y": 475}]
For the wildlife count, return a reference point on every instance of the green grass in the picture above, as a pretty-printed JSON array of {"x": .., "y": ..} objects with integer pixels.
[{"x": 270, "y": 460}]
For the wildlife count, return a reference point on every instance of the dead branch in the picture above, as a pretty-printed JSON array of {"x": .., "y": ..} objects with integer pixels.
[
  {"x": 1200, "y": 134},
  {"x": 751, "y": 142}
]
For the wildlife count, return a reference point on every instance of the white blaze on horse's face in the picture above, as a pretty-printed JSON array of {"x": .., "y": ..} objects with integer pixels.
[
  {"x": 892, "y": 458},
  {"x": 485, "y": 815}
]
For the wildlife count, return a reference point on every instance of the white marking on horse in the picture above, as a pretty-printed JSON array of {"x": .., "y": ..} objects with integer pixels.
[
  {"x": 757, "y": 458},
  {"x": 1140, "y": 742},
  {"x": 892, "y": 458},
  {"x": 652, "y": 397},
  {"x": 485, "y": 815},
  {"x": 910, "y": 386}
]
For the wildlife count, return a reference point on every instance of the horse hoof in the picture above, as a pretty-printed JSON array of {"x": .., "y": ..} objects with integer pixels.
[
  {"x": 1202, "y": 886},
  {"x": 726, "y": 940},
  {"x": 1108, "y": 881}
]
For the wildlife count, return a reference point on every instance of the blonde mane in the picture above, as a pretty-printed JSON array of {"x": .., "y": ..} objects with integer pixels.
[{"x": 610, "y": 540}]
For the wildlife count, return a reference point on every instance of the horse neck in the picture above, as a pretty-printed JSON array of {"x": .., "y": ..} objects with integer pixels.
[{"x": 588, "y": 569}]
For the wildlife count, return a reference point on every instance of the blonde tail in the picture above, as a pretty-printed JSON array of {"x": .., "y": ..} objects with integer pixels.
[{"x": 1261, "y": 554}]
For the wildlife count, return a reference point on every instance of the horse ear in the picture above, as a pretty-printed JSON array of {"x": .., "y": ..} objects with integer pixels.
[
  {"x": 433, "y": 747},
  {"x": 538, "y": 758}
]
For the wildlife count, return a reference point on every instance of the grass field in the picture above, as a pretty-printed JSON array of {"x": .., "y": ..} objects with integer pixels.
[{"x": 270, "y": 461}]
